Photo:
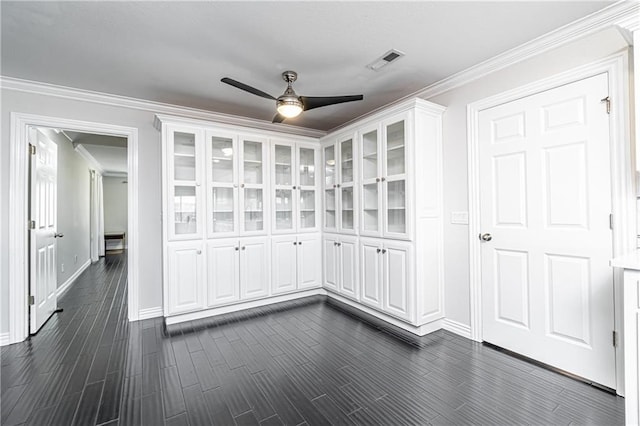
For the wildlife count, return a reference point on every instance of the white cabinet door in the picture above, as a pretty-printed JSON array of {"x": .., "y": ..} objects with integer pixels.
[
  {"x": 254, "y": 267},
  {"x": 371, "y": 183},
  {"x": 252, "y": 181},
  {"x": 307, "y": 199},
  {"x": 347, "y": 201},
  {"x": 348, "y": 254},
  {"x": 396, "y": 278},
  {"x": 223, "y": 284},
  {"x": 330, "y": 188},
  {"x": 395, "y": 191},
  {"x": 309, "y": 261},
  {"x": 371, "y": 272},
  {"x": 283, "y": 186},
  {"x": 183, "y": 179},
  {"x": 222, "y": 184},
  {"x": 185, "y": 270},
  {"x": 284, "y": 250},
  {"x": 330, "y": 262}
]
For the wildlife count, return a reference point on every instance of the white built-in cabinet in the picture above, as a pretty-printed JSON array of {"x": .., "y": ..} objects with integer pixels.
[
  {"x": 382, "y": 214},
  {"x": 250, "y": 215},
  {"x": 229, "y": 195}
]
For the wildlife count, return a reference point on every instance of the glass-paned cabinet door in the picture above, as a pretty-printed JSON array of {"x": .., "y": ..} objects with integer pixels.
[
  {"x": 252, "y": 185},
  {"x": 395, "y": 149},
  {"x": 222, "y": 153},
  {"x": 307, "y": 188},
  {"x": 330, "y": 184},
  {"x": 395, "y": 196},
  {"x": 346, "y": 185},
  {"x": 284, "y": 186},
  {"x": 370, "y": 223},
  {"x": 183, "y": 179}
]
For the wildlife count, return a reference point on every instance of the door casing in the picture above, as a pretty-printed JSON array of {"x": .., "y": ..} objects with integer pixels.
[
  {"x": 622, "y": 177},
  {"x": 19, "y": 212}
]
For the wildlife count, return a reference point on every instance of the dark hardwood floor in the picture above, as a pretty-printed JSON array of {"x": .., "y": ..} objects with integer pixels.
[{"x": 309, "y": 364}]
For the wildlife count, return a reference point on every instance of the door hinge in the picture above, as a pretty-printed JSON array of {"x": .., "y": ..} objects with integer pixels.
[
  {"x": 611, "y": 221},
  {"x": 607, "y": 100},
  {"x": 32, "y": 300},
  {"x": 32, "y": 224},
  {"x": 615, "y": 338},
  {"x": 32, "y": 149}
]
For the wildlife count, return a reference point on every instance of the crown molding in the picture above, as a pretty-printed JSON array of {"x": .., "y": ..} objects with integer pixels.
[
  {"x": 624, "y": 15},
  {"x": 39, "y": 88},
  {"x": 90, "y": 159}
]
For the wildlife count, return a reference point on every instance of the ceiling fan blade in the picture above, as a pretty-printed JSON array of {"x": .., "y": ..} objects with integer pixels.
[
  {"x": 247, "y": 88},
  {"x": 278, "y": 118},
  {"x": 311, "y": 102}
]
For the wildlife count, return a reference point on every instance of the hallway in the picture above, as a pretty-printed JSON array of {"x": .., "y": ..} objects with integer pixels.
[{"x": 311, "y": 364}]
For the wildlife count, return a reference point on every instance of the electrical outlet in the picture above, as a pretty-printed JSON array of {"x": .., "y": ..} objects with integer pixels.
[
  {"x": 75, "y": 259},
  {"x": 62, "y": 267}
]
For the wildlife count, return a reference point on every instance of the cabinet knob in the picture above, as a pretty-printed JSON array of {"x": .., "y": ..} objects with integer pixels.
[
  {"x": 295, "y": 243},
  {"x": 197, "y": 183},
  {"x": 199, "y": 252},
  {"x": 383, "y": 179},
  {"x": 338, "y": 185},
  {"x": 339, "y": 244},
  {"x": 294, "y": 187},
  {"x": 378, "y": 250},
  {"x": 300, "y": 243},
  {"x": 377, "y": 179},
  {"x": 335, "y": 244},
  {"x": 384, "y": 251},
  {"x": 334, "y": 185},
  {"x": 235, "y": 185},
  {"x": 242, "y": 185},
  {"x": 237, "y": 248},
  {"x": 244, "y": 247}
]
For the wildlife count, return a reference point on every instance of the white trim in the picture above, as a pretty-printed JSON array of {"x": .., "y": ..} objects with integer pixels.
[
  {"x": 175, "y": 319},
  {"x": 623, "y": 14},
  {"x": 28, "y": 86},
  {"x": 149, "y": 313},
  {"x": 457, "y": 328},
  {"x": 115, "y": 174},
  {"x": 420, "y": 330},
  {"x": 67, "y": 284},
  {"x": 4, "y": 339},
  {"x": 622, "y": 176},
  {"x": 80, "y": 149},
  {"x": 18, "y": 211}
]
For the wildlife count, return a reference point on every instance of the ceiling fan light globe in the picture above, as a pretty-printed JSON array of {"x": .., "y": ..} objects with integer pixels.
[{"x": 289, "y": 107}]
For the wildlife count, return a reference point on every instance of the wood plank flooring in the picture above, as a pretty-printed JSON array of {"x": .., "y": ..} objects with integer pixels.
[{"x": 311, "y": 364}]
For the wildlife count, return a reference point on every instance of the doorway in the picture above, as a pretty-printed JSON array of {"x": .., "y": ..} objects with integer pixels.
[{"x": 19, "y": 211}]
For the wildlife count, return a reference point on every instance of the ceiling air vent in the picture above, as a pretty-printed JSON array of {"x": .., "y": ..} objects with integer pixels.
[{"x": 387, "y": 58}]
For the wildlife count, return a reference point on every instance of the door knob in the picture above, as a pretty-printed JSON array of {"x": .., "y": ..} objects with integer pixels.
[
  {"x": 485, "y": 237},
  {"x": 56, "y": 235}
]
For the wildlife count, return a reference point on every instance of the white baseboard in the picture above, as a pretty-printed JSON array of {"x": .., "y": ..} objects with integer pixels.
[
  {"x": 4, "y": 339},
  {"x": 67, "y": 284},
  {"x": 175, "y": 319},
  {"x": 457, "y": 328},
  {"x": 149, "y": 313}
]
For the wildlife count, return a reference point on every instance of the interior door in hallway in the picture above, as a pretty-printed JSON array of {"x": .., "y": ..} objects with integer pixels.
[
  {"x": 43, "y": 233},
  {"x": 547, "y": 288}
]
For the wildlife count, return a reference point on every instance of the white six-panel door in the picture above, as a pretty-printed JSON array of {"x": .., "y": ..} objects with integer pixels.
[
  {"x": 547, "y": 288},
  {"x": 43, "y": 278}
]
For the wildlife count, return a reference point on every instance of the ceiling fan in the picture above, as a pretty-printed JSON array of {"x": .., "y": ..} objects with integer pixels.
[{"x": 289, "y": 104}]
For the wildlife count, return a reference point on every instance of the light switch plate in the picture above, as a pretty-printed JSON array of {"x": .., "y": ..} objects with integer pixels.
[{"x": 460, "y": 218}]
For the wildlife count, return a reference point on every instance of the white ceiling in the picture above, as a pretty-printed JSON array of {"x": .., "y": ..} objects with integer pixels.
[
  {"x": 177, "y": 52},
  {"x": 109, "y": 152}
]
